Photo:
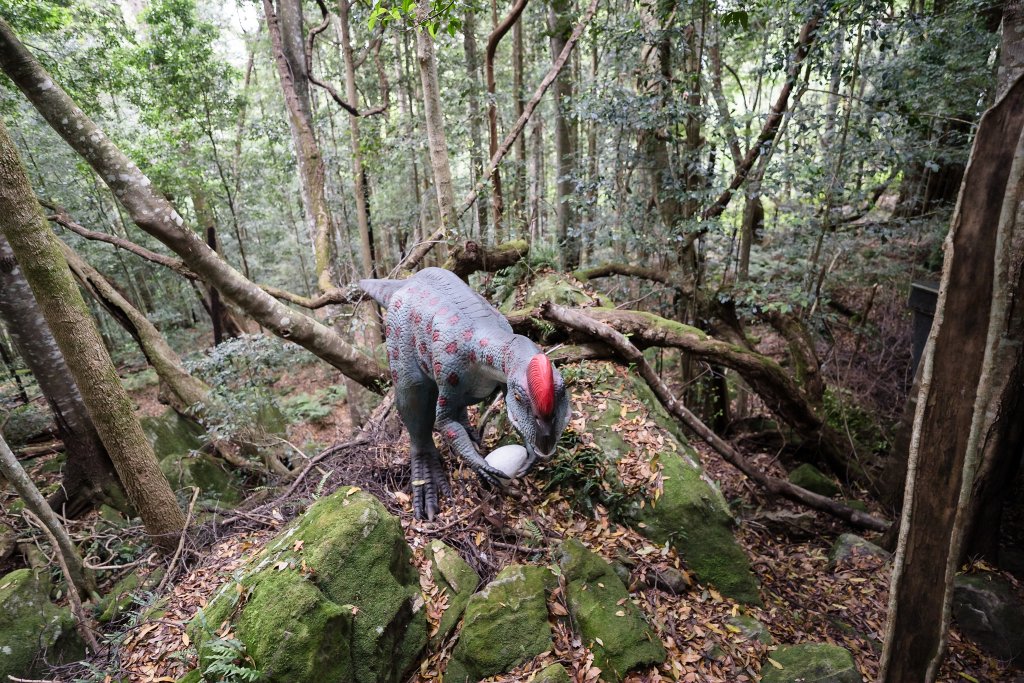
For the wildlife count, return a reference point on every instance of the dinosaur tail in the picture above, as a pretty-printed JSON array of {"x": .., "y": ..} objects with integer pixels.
[{"x": 381, "y": 290}]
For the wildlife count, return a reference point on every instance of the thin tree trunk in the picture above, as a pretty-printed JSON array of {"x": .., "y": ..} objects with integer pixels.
[
  {"x": 475, "y": 136},
  {"x": 89, "y": 476},
  {"x": 560, "y": 26},
  {"x": 434, "y": 117},
  {"x": 519, "y": 191},
  {"x": 105, "y": 398}
]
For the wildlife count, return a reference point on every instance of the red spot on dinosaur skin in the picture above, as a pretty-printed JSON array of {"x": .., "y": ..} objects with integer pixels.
[
  {"x": 452, "y": 320},
  {"x": 541, "y": 384},
  {"x": 484, "y": 342},
  {"x": 472, "y": 356},
  {"x": 453, "y": 379},
  {"x": 442, "y": 401},
  {"x": 387, "y": 330},
  {"x": 430, "y": 325},
  {"x": 394, "y": 354},
  {"x": 423, "y": 348},
  {"x": 394, "y": 376},
  {"x": 417, "y": 318},
  {"x": 442, "y": 311},
  {"x": 467, "y": 335},
  {"x": 433, "y": 301},
  {"x": 435, "y": 336},
  {"x": 450, "y": 433},
  {"x": 396, "y": 303},
  {"x": 490, "y": 359},
  {"x": 437, "y": 368},
  {"x": 452, "y": 347}
]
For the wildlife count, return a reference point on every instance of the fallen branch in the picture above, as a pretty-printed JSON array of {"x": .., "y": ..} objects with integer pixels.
[
  {"x": 653, "y": 274},
  {"x": 473, "y": 257},
  {"x": 631, "y": 354},
  {"x": 181, "y": 543}
]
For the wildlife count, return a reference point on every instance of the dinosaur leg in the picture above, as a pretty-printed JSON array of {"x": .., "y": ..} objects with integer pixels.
[
  {"x": 474, "y": 435},
  {"x": 416, "y": 402}
]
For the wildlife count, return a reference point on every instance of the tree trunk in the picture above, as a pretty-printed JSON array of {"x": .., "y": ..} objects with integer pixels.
[
  {"x": 155, "y": 215},
  {"x": 475, "y": 135},
  {"x": 967, "y": 378},
  {"x": 434, "y": 117},
  {"x": 519, "y": 189},
  {"x": 295, "y": 82},
  {"x": 560, "y": 26},
  {"x": 89, "y": 476},
  {"x": 39, "y": 256}
]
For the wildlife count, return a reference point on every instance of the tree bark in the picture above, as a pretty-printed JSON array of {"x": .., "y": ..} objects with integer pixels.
[
  {"x": 476, "y": 159},
  {"x": 89, "y": 476},
  {"x": 295, "y": 87},
  {"x": 964, "y": 384},
  {"x": 155, "y": 215},
  {"x": 559, "y": 23},
  {"x": 39, "y": 256},
  {"x": 433, "y": 115}
]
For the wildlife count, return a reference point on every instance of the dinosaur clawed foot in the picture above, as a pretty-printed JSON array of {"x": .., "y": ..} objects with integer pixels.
[{"x": 429, "y": 480}]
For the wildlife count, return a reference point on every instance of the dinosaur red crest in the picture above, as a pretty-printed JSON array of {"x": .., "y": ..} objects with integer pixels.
[{"x": 541, "y": 384}]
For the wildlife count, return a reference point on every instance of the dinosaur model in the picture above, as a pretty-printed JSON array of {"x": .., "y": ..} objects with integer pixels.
[{"x": 449, "y": 348}]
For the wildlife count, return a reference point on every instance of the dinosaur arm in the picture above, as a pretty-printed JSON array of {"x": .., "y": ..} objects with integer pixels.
[{"x": 458, "y": 439}]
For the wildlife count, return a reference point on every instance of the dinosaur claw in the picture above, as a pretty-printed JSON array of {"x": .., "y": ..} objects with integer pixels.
[{"x": 428, "y": 479}]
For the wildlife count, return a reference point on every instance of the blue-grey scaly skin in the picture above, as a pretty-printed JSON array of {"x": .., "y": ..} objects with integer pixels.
[{"x": 448, "y": 348}]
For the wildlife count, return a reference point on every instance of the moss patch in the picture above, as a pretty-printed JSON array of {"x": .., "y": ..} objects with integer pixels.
[
  {"x": 34, "y": 633},
  {"x": 816, "y": 662},
  {"x": 506, "y": 624},
  {"x": 611, "y": 626},
  {"x": 809, "y": 477},
  {"x": 456, "y": 579}
]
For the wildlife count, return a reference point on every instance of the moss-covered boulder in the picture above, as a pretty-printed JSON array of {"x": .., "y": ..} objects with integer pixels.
[
  {"x": 505, "y": 625},
  {"x": 988, "y": 612},
  {"x": 28, "y": 423},
  {"x": 850, "y": 546},
  {"x": 550, "y": 287},
  {"x": 456, "y": 579},
  {"x": 750, "y": 628},
  {"x": 33, "y": 631},
  {"x": 334, "y": 597},
  {"x": 690, "y": 513},
  {"x": 205, "y": 472},
  {"x": 612, "y": 627},
  {"x": 555, "y": 673},
  {"x": 817, "y": 662},
  {"x": 809, "y": 477},
  {"x": 172, "y": 435}
]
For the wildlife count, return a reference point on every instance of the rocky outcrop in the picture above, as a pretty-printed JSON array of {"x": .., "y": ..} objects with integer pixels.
[
  {"x": 609, "y": 624},
  {"x": 506, "y": 624},
  {"x": 334, "y": 597},
  {"x": 34, "y": 633},
  {"x": 988, "y": 612},
  {"x": 809, "y": 477},
  {"x": 452, "y": 575},
  {"x": 851, "y": 546}
]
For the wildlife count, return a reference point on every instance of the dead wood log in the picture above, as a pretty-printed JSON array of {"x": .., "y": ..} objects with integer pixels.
[
  {"x": 473, "y": 257},
  {"x": 631, "y": 354},
  {"x": 666, "y": 278}
]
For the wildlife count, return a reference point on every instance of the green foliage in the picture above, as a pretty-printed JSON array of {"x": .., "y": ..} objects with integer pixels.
[
  {"x": 313, "y": 407},
  {"x": 588, "y": 477},
  {"x": 844, "y": 414},
  {"x": 228, "y": 662},
  {"x": 444, "y": 15}
]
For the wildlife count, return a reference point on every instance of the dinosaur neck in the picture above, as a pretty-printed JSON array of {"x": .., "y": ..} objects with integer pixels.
[{"x": 515, "y": 356}]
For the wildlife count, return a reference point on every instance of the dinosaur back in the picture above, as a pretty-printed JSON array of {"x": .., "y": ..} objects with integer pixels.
[{"x": 457, "y": 294}]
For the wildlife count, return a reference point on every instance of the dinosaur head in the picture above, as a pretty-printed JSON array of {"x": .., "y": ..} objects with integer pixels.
[{"x": 538, "y": 406}]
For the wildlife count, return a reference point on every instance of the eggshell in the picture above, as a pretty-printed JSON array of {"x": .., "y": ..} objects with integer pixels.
[{"x": 509, "y": 459}]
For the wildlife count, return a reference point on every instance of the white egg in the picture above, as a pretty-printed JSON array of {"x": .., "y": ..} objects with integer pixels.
[{"x": 509, "y": 459}]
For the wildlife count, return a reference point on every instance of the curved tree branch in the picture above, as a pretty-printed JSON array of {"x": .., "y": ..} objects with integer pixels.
[{"x": 351, "y": 108}]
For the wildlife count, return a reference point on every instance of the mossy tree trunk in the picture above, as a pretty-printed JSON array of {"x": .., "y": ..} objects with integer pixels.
[
  {"x": 89, "y": 476},
  {"x": 39, "y": 255}
]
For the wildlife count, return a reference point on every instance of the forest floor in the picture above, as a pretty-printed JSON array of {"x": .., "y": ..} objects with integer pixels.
[{"x": 806, "y": 600}]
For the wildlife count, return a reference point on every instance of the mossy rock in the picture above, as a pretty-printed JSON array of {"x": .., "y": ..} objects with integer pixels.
[
  {"x": 809, "y": 477},
  {"x": 172, "y": 435},
  {"x": 453, "y": 576},
  {"x": 986, "y": 610},
  {"x": 691, "y": 514},
  {"x": 335, "y": 592},
  {"x": 848, "y": 546},
  {"x": 26, "y": 423},
  {"x": 505, "y": 625},
  {"x": 205, "y": 472},
  {"x": 694, "y": 518},
  {"x": 8, "y": 541},
  {"x": 549, "y": 287},
  {"x": 612, "y": 627},
  {"x": 555, "y": 673},
  {"x": 817, "y": 662},
  {"x": 751, "y": 629},
  {"x": 34, "y": 633}
]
